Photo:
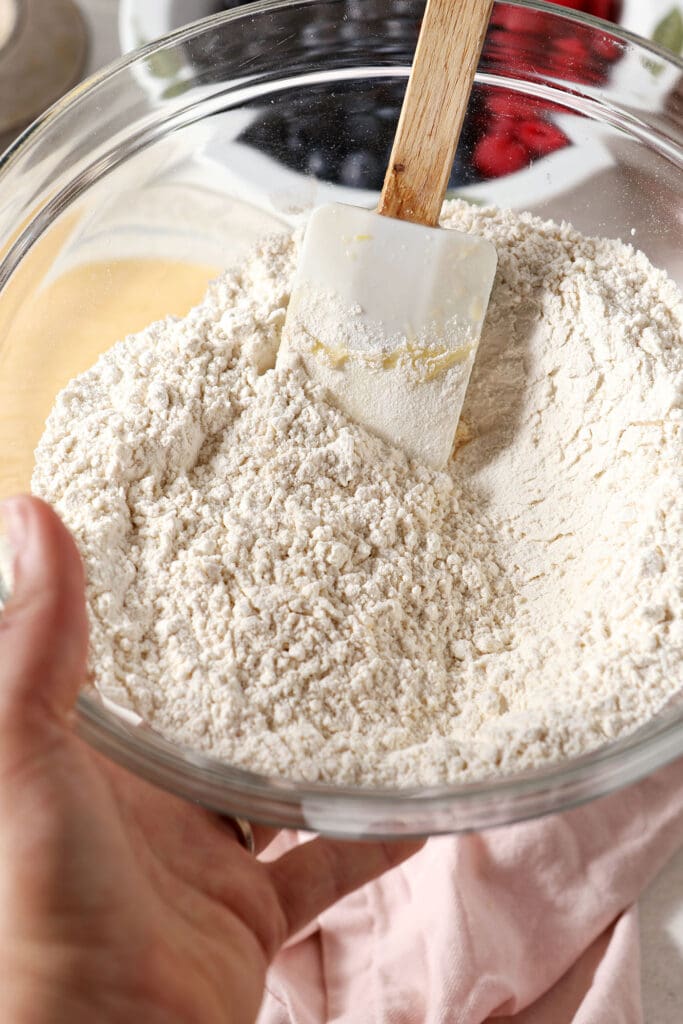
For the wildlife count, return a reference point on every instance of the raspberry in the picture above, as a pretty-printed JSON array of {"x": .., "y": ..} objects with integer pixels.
[
  {"x": 608, "y": 48},
  {"x": 509, "y": 104},
  {"x": 583, "y": 74},
  {"x": 573, "y": 48},
  {"x": 526, "y": 22},
  {"x": 570, "y": 58},
  {"x": 607, "y": 9},
  {"x": 610, "y": 10},
  {"x": 598, "y": 8},
  {"x": 540, "y": 137},
  {"x": 498, "y": 154},
  {"x": 508, "y": 41}
]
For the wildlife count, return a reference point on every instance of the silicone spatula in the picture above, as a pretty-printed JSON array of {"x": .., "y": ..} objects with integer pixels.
[{"x": 386, "y": 308}]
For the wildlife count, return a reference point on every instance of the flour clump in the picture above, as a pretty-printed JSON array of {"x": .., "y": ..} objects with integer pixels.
[{"x": 273, "y": 585}]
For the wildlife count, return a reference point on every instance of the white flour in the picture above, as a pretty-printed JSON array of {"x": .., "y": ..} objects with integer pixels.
[{"x": 273, "y": 585}]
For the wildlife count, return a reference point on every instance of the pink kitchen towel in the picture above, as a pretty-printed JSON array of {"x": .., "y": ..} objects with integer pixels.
[{"x": 530, "y": 924}]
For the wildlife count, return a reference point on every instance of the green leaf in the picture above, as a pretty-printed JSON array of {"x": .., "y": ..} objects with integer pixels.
[
  {"x": 175, "y": 89},
  {"x": 655, "y": 67},
  {"x": 164, "y": 64},
  {"x": 669, "y": 32}
]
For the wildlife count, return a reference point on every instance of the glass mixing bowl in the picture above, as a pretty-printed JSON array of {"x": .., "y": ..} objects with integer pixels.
[{"x": 125, "y": 198}]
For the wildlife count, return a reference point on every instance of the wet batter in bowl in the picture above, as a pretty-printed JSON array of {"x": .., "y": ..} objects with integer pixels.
[{"x": 269, "y": 583}]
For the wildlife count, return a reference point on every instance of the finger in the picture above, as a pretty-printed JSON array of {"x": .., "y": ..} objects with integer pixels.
[
  {"x": 153, "y": 807},
  {"x": 176, "y": 826},
  {"x": 263, "y": 836},
  {"x": 43, "y": 627},
  {"x": 313, "y": 876}
]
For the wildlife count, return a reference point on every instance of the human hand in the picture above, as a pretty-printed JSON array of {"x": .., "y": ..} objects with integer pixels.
[{"x": 120, "y": 902}]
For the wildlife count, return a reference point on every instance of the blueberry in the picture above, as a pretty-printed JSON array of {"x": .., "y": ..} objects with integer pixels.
[
  {"x": 356, "y": 102},
  {"x": 366, "y": 10},
  {"x": 297, "y": 138},
  {"x": 401, "y": 30},
  {"x": 463, "y": 172},
  {"x": 407, "y": 9},
  {"x": 322, "y": 164},
  {"x": 319, "y": 35},
  {"x": 365, "y": 129},
  {"x": 348, "y": 32},
  {"x": 361, "y": 169}
]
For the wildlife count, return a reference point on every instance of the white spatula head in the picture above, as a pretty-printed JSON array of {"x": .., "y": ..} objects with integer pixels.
[{"x": 387, "y": 315}]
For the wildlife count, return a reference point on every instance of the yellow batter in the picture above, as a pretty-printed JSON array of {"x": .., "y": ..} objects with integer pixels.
[{"x": 50, "y": 333}]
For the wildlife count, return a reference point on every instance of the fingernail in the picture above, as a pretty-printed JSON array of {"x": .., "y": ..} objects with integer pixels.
[{"x": 12, "y": 537}]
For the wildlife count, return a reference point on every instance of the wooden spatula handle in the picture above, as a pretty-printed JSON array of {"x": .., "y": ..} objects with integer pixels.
[{"x": 446, "y": 59}]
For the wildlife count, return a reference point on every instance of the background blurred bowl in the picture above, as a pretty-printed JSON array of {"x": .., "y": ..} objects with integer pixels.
[{"x": 119, "y": 205}]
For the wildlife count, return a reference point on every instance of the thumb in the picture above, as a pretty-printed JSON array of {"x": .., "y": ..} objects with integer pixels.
[{"x": 43, "y": 626}]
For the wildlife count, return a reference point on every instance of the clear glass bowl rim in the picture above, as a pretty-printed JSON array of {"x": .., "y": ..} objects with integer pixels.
[{"x": 342, "y": 810}]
